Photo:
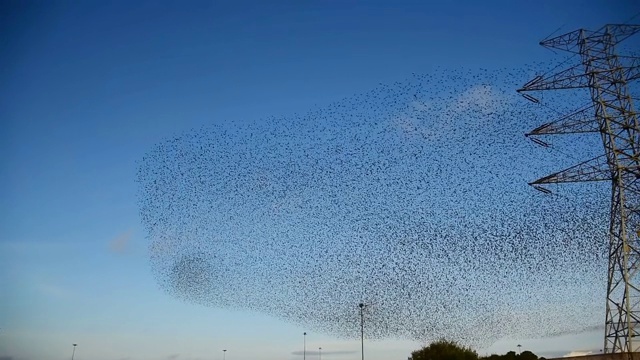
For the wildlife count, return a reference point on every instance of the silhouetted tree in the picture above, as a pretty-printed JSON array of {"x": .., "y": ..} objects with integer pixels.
[
  {"x": 511, "y": 355},
  {"x": 444, "y": 350},
  {"x": 450, "y": 350},
  {"x": 527, "y": 355}
]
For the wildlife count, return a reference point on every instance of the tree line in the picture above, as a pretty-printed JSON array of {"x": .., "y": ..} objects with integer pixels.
[{"x": 450, "y": 350}]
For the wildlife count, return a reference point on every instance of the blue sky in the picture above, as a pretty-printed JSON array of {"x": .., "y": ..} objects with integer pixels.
[{"x": 87, "y": 88}]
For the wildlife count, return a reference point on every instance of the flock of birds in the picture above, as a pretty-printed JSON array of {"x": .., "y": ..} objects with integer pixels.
[{"x": 411, "y": 198}]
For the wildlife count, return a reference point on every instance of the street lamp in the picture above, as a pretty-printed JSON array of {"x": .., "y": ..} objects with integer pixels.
[
  {"x": 224, "y": 354},
  {"x": 362, "y": 305},
  {"x": 319, "y": 353},
  {"x": 74, "y": 351},
  {"x": 304, "y": 349},
  {"x": 519, "y": 351}
]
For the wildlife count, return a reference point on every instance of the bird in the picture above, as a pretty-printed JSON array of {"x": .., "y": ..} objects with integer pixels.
[{"x": 419, "y": 204}]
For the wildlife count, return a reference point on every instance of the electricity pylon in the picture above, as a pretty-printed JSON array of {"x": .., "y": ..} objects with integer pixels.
[{"x": 611, "y": 114}]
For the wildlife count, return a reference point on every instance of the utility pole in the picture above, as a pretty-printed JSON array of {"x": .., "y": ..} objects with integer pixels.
[
  {"x": 611, "y": 115},
  {"x": 362, "y": 305}
]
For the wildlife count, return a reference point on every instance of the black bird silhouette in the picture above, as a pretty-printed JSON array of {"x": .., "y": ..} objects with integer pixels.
[{"x": 411, "y": 196}]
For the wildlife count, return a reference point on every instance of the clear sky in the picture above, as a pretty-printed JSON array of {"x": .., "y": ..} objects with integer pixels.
[{"x": 86, "y": 88}]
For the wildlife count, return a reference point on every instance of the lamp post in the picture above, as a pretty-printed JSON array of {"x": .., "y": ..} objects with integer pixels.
[
  {"x": 304, "y": 349},
  {"x": 73, "y": 353},
  {"x": 319, "y": 353},
  {"x": 224, "y": 354},
  {"x": 519, "y": 351},
  {"x": 362, "y": 305}
]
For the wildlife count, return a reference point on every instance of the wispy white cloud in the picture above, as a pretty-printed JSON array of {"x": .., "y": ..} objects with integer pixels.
[
  {"x": 580, "y": 353},
  {"x": 325, "y": 353},
  {"x": 53, "y": 290},
  {"x": 121, "y": 243},
  {"x": 480, "y": 97},
  {"x": 441, "y": 119}
]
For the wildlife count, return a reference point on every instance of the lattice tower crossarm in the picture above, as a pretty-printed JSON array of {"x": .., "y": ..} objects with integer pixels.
[{"x": 606, "y": 75}]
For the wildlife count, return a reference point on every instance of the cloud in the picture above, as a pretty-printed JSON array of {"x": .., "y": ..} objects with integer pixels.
[
  {"x": 6, "y": 357},
  {"x": 550, "y": 354},
  {"x": 580, "y": 353},
  {"x": 120, "y": 244},
  {"x": 173, "y": 356},
  {"x": 337, "y": 352},
  {"x": 53, "y": 291},
  {"x": 480, "y": 99},
  {"x": 567, "y": 353}
]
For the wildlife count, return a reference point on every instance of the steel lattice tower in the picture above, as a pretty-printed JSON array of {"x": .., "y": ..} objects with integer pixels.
[{"x": 611, "y": 114}]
